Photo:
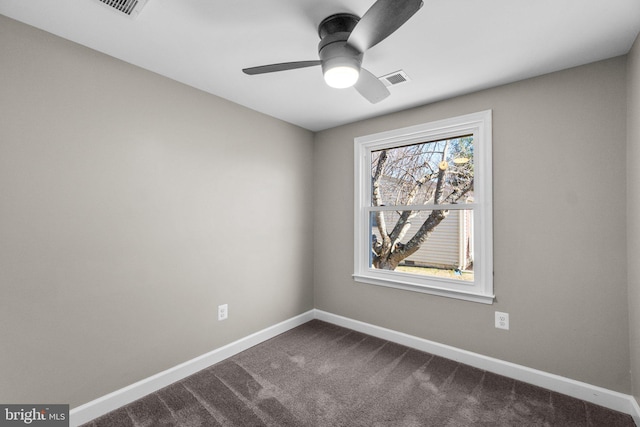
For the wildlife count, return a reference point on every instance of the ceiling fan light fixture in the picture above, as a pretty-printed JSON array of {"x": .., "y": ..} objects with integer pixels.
[
  {"x": 341, "y": 76},
  {"x": 340, "y": 66},
  {"x": 344, "y": 38}
]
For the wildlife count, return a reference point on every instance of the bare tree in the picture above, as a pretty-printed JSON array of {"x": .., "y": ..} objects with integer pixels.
[{"x": 434, "y": 173}]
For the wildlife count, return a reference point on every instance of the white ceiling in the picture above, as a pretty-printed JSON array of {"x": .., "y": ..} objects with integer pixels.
[{"x": 450, "y": 47}]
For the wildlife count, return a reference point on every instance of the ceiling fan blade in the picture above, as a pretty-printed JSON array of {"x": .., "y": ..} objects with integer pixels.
[
  {"x": 380, "y": 21},
  {"x": 272, "y": 68},
  {"x": 370, "y": 87}
]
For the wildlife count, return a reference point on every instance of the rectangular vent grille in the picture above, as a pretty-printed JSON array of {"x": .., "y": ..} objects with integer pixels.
[
  {"x": 128, "y": 7},
  {"x": 395, "y": 78}
]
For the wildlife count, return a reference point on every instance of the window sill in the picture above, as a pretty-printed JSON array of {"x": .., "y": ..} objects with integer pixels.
[{"x": 443, "y": 292}]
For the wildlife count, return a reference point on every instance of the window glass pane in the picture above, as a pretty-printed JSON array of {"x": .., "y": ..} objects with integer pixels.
[
  {"x": 438, "y": 172},
  {"x": 427, "y": 243}
]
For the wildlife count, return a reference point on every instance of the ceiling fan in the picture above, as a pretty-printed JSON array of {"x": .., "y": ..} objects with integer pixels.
[{"x": 343, "y": 40}]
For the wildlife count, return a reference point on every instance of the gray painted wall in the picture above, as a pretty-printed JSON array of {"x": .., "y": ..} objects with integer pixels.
[
  {"x": 633, "y": 211},
  {"x": 130, "y": 207},
  {"x": 559, "y": 146}
]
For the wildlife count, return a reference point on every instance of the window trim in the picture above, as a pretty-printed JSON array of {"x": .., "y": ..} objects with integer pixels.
[{"x": 480, "y": 125}]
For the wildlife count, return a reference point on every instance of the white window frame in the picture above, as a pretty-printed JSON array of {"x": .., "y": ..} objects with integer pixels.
[{"x": 479, "y": 125}]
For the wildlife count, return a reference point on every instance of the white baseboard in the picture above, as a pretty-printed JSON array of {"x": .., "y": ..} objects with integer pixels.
[
  {"x": 600, "y": 396},
  {"x": 126, "y": 395},
  {"x": 636, "y": 411},
  {"x": 590, "y": 393}
]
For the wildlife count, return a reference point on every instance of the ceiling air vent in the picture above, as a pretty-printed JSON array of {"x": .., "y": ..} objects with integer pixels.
[
  {"x": 128, "y": 7},
  {"x": 394, "y": 78}
]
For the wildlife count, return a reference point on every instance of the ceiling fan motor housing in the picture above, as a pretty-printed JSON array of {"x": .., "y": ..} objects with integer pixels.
[
  {"x": 336, "y": 52},
  {"x": 337, "y": 23},
  {"x": 333, "y": 49}
]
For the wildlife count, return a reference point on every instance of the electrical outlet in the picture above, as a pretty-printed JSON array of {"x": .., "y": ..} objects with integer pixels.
[
  {"x": 502, "y": 320},
  {"x": 223, "y": 311}
]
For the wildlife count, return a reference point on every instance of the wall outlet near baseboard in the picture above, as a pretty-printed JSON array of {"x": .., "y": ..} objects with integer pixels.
[
  {"x": 502, "y": 320},
  {"x": 223, "y": 311}
]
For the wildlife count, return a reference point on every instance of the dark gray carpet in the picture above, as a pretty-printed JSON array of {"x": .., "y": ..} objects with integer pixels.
[{"x": 320, "y": 374}]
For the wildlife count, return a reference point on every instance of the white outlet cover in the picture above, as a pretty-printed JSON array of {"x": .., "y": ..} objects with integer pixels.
[
  {"x": 223, "y": 311},
  {"x": 502, "y": 320}
]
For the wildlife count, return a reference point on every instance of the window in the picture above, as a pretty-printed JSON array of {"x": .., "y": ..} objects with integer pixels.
[{"x": 423, "y": 219}]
